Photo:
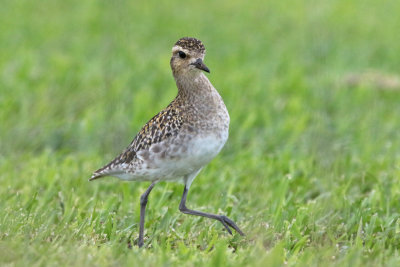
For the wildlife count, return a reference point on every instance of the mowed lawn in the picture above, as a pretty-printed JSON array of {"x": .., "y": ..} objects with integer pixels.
[{"x": 311, "y": 171}]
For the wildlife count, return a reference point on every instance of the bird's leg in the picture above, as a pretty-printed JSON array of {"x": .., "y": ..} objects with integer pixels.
[
  {"x": 226, "y": 222},
  {"x": 143, "y": 203}
]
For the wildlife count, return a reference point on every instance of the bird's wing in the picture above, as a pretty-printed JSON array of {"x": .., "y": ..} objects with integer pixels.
[{"x": 162, "y": 126}]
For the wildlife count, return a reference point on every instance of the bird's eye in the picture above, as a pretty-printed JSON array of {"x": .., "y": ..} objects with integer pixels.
[{"x": 181, "y": 54}]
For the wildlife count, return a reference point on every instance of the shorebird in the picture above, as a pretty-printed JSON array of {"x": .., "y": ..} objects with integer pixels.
[{"x": 182, "y": 138}]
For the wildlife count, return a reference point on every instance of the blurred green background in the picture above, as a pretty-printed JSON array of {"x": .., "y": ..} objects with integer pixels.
[{"x": 311, "y": 169}]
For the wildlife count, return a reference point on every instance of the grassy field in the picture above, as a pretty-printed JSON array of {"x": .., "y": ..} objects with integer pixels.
[{"x": 311, "y": 169}]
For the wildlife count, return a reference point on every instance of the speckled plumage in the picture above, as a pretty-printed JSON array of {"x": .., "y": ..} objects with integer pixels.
[
  {"x": 177, "y": 142},
  {"x": 162, "y": 126},
  {"x": 192, "y": 44},
  {"x": 181, "y": 139}
]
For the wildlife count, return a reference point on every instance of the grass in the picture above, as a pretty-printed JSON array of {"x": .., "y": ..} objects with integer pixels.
[{"x": 310, "y": 172}]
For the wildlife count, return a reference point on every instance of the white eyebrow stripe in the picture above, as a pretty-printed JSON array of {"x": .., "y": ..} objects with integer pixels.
[{"x": 177, "y": 48}]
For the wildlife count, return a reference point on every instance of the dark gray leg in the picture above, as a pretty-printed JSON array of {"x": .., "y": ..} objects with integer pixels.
[
  {"x": 226, "y": 222},
  {"x": 143, "y": 202}
]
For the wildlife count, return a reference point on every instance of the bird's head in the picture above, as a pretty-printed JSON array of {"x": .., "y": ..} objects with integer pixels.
[{"x": 187, "y": 57}]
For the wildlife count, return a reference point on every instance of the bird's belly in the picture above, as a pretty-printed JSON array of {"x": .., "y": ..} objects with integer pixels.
[
  {"x": 191, "y": 156},
  {"x": 202, "y": 150},
  {"x": 178, "y": 158}
]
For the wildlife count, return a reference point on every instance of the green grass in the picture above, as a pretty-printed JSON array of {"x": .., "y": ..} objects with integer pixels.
[{"x": 311, "y": 169}]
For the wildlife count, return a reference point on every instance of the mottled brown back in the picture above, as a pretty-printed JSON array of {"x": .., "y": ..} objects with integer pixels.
[{"x": 163, "y": 125}]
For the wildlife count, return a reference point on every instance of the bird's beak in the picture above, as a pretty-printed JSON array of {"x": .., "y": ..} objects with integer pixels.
[{"x": 200, "y": 65}]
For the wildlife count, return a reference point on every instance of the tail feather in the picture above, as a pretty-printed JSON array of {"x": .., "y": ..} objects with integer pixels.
[
  {"x": 97, "y": 176},
  {"x": 103, "y": 172}
]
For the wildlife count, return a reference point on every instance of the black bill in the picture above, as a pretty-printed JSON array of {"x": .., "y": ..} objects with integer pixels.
[{"x": 200, "y": 65}]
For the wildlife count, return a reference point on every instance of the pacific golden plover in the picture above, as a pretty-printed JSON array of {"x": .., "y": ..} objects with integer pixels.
[{"x": 180, "y": 140}]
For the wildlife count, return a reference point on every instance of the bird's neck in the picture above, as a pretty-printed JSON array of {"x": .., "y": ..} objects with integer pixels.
[
  {"x": 197, "y": 94},
  {"x": 194, "y": 87}
]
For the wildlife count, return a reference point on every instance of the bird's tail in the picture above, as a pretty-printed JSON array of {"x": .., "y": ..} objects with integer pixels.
[
  {"x": 96, "y": 176},
  {"x": 102, "y": 172}
]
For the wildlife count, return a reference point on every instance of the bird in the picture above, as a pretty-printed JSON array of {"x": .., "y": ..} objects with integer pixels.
[{"x": 182, "y": 138}]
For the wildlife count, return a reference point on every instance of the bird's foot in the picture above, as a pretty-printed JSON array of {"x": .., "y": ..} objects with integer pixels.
[{"x": 226, "y": 222}]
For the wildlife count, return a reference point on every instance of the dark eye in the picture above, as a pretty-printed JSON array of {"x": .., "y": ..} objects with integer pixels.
[{"x": 181, "y": 54}]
